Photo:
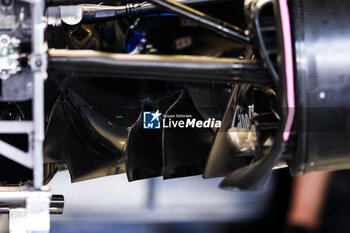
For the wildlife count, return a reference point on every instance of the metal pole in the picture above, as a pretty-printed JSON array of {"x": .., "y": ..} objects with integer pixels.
[
  {"x": 88, "y": 63},
  {"x": 38, "y": 64}
]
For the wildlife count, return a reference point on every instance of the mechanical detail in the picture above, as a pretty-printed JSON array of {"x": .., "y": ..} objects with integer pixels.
[{"x": 9, "y": 56}]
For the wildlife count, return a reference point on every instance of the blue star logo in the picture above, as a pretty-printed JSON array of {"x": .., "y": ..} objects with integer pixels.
[{"x": 151, "y": 120}]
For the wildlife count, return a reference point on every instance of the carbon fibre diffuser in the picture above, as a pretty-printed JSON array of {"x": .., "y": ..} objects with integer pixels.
[
  {"x": 185, "y": 150},
  {"x": 215, "y": 101},
  {"x": 144, "y": 146},
  {"x": 221, "y": 159},
  {"x": 79, "y": 136}
]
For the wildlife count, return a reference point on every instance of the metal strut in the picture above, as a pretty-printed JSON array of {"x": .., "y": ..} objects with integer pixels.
[
  {"x": 28, "y": 207},
  {"x": 89, "y": 63}
]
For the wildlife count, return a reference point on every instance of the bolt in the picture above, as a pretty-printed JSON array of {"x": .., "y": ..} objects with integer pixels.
[
  {"x": 38, "y": 63},
  {"x": 322, "y": 95}
]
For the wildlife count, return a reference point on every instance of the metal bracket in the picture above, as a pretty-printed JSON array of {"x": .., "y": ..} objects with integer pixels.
[{"x": 29, "y": 210}]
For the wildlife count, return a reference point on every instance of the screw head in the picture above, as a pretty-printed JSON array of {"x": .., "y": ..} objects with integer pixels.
[
  {"x": 322, "y": 95},
  {"x": 38, "y": 63}
]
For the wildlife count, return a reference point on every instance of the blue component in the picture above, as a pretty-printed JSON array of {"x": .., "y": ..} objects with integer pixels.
[
  {"x": 156, "y": 15},
  {"x": 134, "y": 37},
  {"x": 167, "y": 14},
  {"x": 133, "y": 40},
  {"x": 151, "y": 120}
]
